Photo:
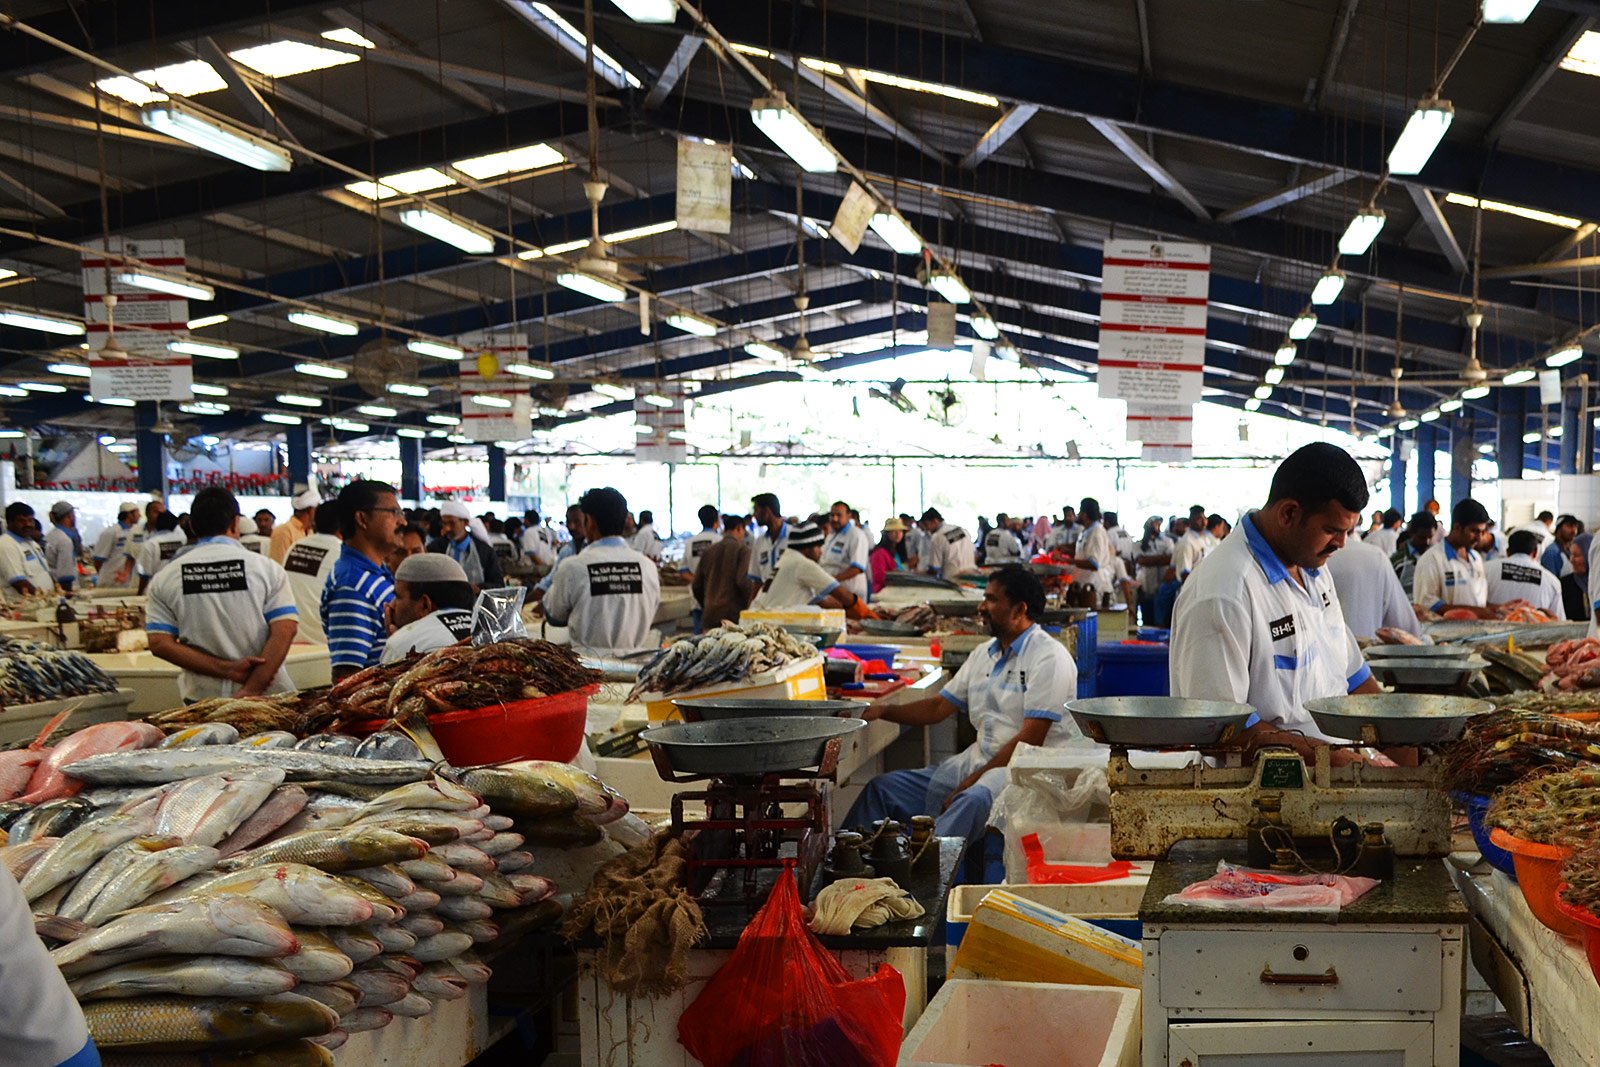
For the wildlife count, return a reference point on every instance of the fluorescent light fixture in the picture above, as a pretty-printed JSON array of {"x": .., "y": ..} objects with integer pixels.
[
  {"x": 1584, "y": 57},
  {"x": 511, "y": 161},
  {"x": 176, "y": 119},
  {"x": 763, "y": 350},
  {"x": 488, "y": 400},
  {"x": 403, "y": 183},
  {"x": 590, "y": 286},
  {"x": 1508, "y": 10},
  {"x": 316, "y": 320},
  {"x": 436, "y": 349},
  {"x": 984, "y": 327},
  {"x": 14, "y": 391},
  {"x": 443, "y": 420},
  {"x": 281, "y": 419},
  {"x": 644, "y": 431},
  {"x": 1566, "y": 222},
  {"x": 694, "y": 324},
  {"x": 120, "y": 449},
  {"x": 543, "y": 372},
  {"x": 571, "y": 39},
  {"x": 207, "y": 320},
  {"x": 192, "y": 77},
  {"x": 1274, "y": 376},
  {"x": 1429, "y": 416},
  {"x": 1263, "y": 391},
  {"x": 1486, "y": 449},
  {"x": 1328, "y": 288},
  {"x": 410, "y": 431},
  {"x": 949, "y": 285},
  {"x": 1252, "y": 404},
  {"x": 615, "y": 392},
  {"x": 32, "y": 320},
  {"x": 458, "y": 439},
  {"x": 7, "y": 272},
  {"x": 299, "y": 401},
  {"x": 285, "y": 59},
  {"x": 788, "y": 129},
  {"x": 951, "y": 91},
  {"x": 1517, "y": 377},
  {"x": 345, "y": 35},
  {"x": 656, "y": 400},
  {"x": 1284, "y": 356},
  {"x": 1532, "y": 438},
  {"x": 202, "y": 348},
  {"x": 69, "y": 370},
  {"x": 41, "y": 387},
  {"x": 896, "y": 233},
  {"x": 115, "y": 401},
  {"x": 348, "y": 425},
  {"x": 322, "y": 370},
  {"x": 1564, "y": 355},
  {"x": 1423, "y": 132},
  {"x": 377, "y": 411},
  {"x": 406, "y": 389},
  {"x": 207, "y": 389},
  {"x": 167, "y": 283},
  {"x": 561, "y": 248},
  {"x": 648, "y": 10},
  {"x": 1303, "y": 325},
  {"x": 636, "y": 232},
  {"x": 1477, "y": 392},
  {"x": 442, "y": 227},
  {"x": 204, "y": 407},
  {"x": 1406, "y": 424},
  {"x": 1361, "y": 232},
  {"x": 1451, "y": 405}
]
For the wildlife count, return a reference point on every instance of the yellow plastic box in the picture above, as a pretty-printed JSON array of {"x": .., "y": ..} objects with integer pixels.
[
  {"x": 801, "y": 680},
  {"x": 1011, "y": 939}
]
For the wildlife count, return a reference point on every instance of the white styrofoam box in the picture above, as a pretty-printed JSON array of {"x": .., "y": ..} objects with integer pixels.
[
  {"x": 22, "y": 722},
  {"x": 1117, "y": 899},
  {"x": 1025, "y": 1024}
]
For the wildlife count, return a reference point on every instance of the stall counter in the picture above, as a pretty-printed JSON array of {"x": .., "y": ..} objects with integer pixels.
[{"x": 154, "y": 681}]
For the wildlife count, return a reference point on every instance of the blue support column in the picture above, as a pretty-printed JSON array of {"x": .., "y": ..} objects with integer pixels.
[
  {"x": 1509, "y": 449},
  {"x": 497, "y": 473},
  {"x": 298, "y": 440},
  {"x": 150, "y": 447},
  {"x": 411, "y": 469},
  {"x": 1463, "y": 450},
  {"x": 1397, "y": 474},
  {"x": 1427, "y": 445},
  {"x": 1572, "y": 436}
]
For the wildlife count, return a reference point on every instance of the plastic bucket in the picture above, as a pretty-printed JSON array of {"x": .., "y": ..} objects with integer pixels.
[
  {"x": 1590, "y": 926},
  {"x": 549, "y": 728},
  {"x": 1477, "y": 808},
  {"x": 864, "y": 653},
  {"x": 1538, "y": 876}
]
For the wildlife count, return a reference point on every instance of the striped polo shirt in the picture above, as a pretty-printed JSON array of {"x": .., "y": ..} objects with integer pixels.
[{"x": 352, "y": 609}]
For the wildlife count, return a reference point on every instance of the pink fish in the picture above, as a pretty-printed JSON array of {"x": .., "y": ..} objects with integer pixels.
[
  {"x": 16, "y": 768},
  {"x": 49, "y": 781}
]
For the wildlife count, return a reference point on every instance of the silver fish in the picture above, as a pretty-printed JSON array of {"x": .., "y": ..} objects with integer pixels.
[
  {"x": 435, "y": 795},
  {"x": 205, "y": 810},
  {"x": 389, "y": 880},
  {"x": 498, "y": 823},
  {"x": 190, "y": 976},
  {"x": 210, "y": 733},
  {"x": 439, "y": 981},
  {"x": 285, "y": 803},
  {"x": 341, "y": 996},
  {"x": 392, "y": 938},
  {"x": 470, "y": 967},
  {"x": 464, "y": 857},
  {"x": 464, "y": 884},
  {"x": 270, "y": 739},
  {"x": 441, "y": 946},
  {"x": 358, "y": 944},
  {"x": 318, "y": 960},
  {"x": 421, "y": 900},
  {"x": 512, "y": 862},
  {"x": 222, "y": 926},
  {"x": 463, "y": 909},
  {"x": 530, "y": 888},
  {"x": 429, "y": 868},
  {"x": 498, "y": 891},
  {"x": 379, "y": 987},
  {"x": 76, "y": 905},
  {"x": 364, "y": 1019},
  {"x": 147, "y": 876},
  {"x": 502, "y": 843},
  {"x": 482, "y": 931},
  {"x": 303, "y": 895},
  {"x": 154, "y": 766},
  {"x": 411, "y": 1006},
  {"x": 82, "y": 849},
  {"x": 20, "y": 859},
  {"x": 421, "y": 925}
]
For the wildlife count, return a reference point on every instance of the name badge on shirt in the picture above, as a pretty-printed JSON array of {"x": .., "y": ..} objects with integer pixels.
[
  {"x": 615, "y": 579},
  {"x": 305, "y": 559},
  {"x": 459, "y": 623},
  {"x": 169, "y": 549},
  {"x": 1282, "y": 628},
  {"x": 1511, "y": 572},
  {"x": 223, "y": 576}
]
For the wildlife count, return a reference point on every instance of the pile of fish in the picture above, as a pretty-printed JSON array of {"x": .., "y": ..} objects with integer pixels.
[
  {"x": 31, "y": 672},
  {"x": 210, "y": 897},
  {"x": 730, "y": 653},
  {"x": 294, "y": 713}
]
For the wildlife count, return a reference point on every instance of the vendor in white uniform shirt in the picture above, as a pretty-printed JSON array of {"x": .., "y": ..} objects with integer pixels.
[
  {"x": 21, "y": 557},
  {"x": 1260, "y": 623},
  {"x": 802, "y": 581},
  {"x": 1000, "y": 545},
  {"x": 950, "y": 548},
  {"x": 308, "y": 563},
  {"x": 1370, "y": 593},
  {"x": 1386, "y": 538},
  {"x": 1095, "y": 549},
  {"x": 115, "y": 548},
  {"x": 161, "y": 546},
  {"x": 222, "y": 613},
  {"x": 1517, "y": 575},
  {"x": 1450, "y": 574},
  {"x": 608, "y": 593},
  {"x": 1013, "y": 690},
  {"x": 845, "y": 555},
  {"x": 432, "y": 606},
  {"x": 1194, "y": 545},
  {"x": 1542, "y": 528}
]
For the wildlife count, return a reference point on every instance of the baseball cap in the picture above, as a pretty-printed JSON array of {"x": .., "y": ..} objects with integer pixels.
[
  {"x": 804, "y": 535},
  {"x": 429, "y": 567},
  {"x": 129, "y": 505},
  {"x": 455, "y": 509},
  {"x": 60, "y": 509},
  {"x": 307, "y": 499}
]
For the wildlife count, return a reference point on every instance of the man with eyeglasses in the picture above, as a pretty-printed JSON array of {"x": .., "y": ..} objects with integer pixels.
[{"x": 361, "y": 585}]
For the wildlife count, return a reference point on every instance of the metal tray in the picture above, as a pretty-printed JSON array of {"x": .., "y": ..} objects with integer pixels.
[
  {"x": 819, "y": 636},
  {"x": 1395, "y": 718},
  {"x": 714, "y": 709},
  {"x": 1159, "y": 722},
  {"x": 921, "y": 580},
  {"x": 954, "y": 608},
  {"x": 1434, "y": 673},
  {"x": 747, "y": 746},
  {"x": 889, "y": 628},
  {"x": 1417, "y": 652}
]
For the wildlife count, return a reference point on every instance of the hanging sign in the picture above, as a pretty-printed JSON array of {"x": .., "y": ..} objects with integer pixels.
[
  {"x": 851, "y": 220},
  {"x": 1153, "y": 307},
  {"x": 1160, "y": 424},
  {"x": 508, "y": 413},
  {"x": 665, "y": 442},
  {"x": 705, "y": 186},
  {"x": 941, "y": 326},
  {"x": 146, "y": 322},
  {"x": 1174, "y": 453}
]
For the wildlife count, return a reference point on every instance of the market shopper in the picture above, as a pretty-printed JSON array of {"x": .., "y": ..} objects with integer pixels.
[
  {"x": 695, "y": 548},
  {"x": 63, "y": 545},
  {"x": 1418, "y": 537},
  {"x": 431, "y": 609},
  {"x": 722, "y": 577},
  {"x": 645, "y": 540},
  {"x": 1370, "y": 594},
  {"x": 801, "y": 580},
  {"x": 1450, "y": 574},
  {"x": 300, "y": 525},
  {"x": 608, "y": 594},
  {"x": 916, "y": 543},
  {"x": 1012, "y": 690},
  {"x": 161, "y": 546},
  {"x": 1541, "y": 528},
  {"x": 222, "y": 614},
  {"x": 846, "y": 553},
  {"x": 888, "y": 555},
  {"x": 1518, "y": 576},
  {"x": 115, "y": 549},
  {"x": 1095, "y": 549},
  {"x": 309, "y": 564},
  {"x": 360, "y": 587},
  {"x": 1152, "y": 553},
  {"x": 1260, "y": 623},
  {"x": 260, "y": 538},
  {"x": 1556, "y": 556},
  {"x": 770, "y": 542},
  {"x": 22, "y": 560},
  {"x": 1195, "y": 544},
  {"x": 950, "y": 548},
  {"x": 476, "y": 556}
]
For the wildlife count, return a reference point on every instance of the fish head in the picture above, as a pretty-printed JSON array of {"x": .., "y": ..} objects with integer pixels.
[
  {"x": 269, "y": 1020},
  {"x": 249, "y": 928}
]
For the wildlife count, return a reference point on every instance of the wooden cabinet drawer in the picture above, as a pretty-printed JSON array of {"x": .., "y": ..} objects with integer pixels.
[
  {"x": 1300, "y": 970},
  {"x": 1287, "y": 1044}
]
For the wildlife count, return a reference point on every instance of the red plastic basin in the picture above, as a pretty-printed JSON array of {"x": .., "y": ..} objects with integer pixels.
[
  {"x": 1590, "y": 926},
  {"x": 1538, "y": 875},
  {"x": 549, "y": 728}
]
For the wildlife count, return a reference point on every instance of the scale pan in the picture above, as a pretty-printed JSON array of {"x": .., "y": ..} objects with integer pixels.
[
  {"x": 1395, "y": 718},
  {"x": 1159, "y": 722}
]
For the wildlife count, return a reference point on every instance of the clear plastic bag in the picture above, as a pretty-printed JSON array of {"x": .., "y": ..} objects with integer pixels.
[
  {"x": 1067, "y": 810},
  {"x": 497, "y": 615}
]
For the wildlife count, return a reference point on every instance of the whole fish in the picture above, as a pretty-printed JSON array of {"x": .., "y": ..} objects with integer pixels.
[
  {"x": 147, "y": 876},
  {"x": 11, "y": 811},
  {"x": 364, "y": 1019},
  {"x": 389, "y": 880},
  {"x": 333, "y": 1040},
  {"x": 512, "y": 862},
  {"x": 482, "y": 931},
  {"x": 384, "y": 910},
  {"x": 302, "y": 1053},
  {"x": 50, "y": 780},
  {"x": 392, "y": 938},
  {"x": 441, "y": 946},
  {"x": 210, "y": 733},
  {"x": 188, "y": 1024},
  {"x": 437, "y": 795},
  {"x": 16, "y": 769},
  {"x": 22, "y": 858},
  {"x": 379, "y": 987},
  {"x": 77, "y": 903},
  {"x": 357, "y": 943},
  {"x": 52, "y": 818},
  {"x": 285, "y": 803},
  {"x": 55, "y": 928},
  {"x": 204, "y": 811},
  {"x": 270, "y": 739},
  {"x": 343, "y": 850},
  {"x": 526, "y": 793},
  {"x": 596, "y": 800},
  {"x": 530, "y": 888},
  {"x": 464, "y": 884},
  {"x": 410, "y": 1006},
  {"x": 561, "y": 831},
  {"x": 189, "y": 976},
  {"x": 330, "y": 744},
  {"x": 498, "y": 891},
  {"x": 217, "y": 926},
  {"x": 439, "y": 981},
  {"x": 82, "y": 849},
  {"x": 429, "y": 868},
  {"x": 421, "y": 900},
  {"x": 434, "y": 827},
  {"x": 499, "y": 823},
  {"x": 502, "y": 843},
  {"x": 421, "y": 925},
  {"x": 169, "y": 765},
  {"x": 47, "y": 904},
  {"x": 303, "y": 895},
  {"x": 318, "y": 960},
  {"x": 463, "y": 909},
  {"x": 341, "y": 996},
  {"x": 389, "y": 745},
  {"x": 470, "y": 967}
]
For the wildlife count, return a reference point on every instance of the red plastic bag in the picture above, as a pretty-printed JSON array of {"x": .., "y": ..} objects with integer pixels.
[{"x": 782, "y": 1000}]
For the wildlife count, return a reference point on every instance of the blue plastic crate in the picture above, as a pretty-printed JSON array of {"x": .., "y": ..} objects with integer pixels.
[{"x": 1132, "y": 670}]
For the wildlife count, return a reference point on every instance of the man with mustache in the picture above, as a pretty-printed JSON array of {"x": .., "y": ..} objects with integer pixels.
[{"x": 1260, "y": 623}]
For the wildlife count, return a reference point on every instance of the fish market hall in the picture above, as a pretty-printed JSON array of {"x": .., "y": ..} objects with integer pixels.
[{"x": 656, "y": 533}]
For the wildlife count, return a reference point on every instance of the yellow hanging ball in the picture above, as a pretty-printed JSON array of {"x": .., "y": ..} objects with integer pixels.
[{"x": 488, "y": 365}]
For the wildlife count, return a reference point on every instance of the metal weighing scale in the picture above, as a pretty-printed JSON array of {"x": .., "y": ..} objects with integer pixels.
[{"x": 1296, "y": 814}]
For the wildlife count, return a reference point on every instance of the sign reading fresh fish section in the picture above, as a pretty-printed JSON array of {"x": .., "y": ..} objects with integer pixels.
[
  {"x": 146, "y": 322},
  {"x": 1153, "y": 306}
]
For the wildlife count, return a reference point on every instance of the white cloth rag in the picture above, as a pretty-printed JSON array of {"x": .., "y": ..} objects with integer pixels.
[{"x": 861, "y": 902}]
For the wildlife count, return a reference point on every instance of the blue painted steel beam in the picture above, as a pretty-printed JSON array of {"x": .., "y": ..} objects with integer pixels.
[
  {"x": 1397, "y": 476},
  {"x": 1427, "y": 446}
]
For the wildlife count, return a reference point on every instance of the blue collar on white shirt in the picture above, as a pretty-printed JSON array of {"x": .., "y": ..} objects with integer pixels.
[
  {"x": 1450, "y": 551},
  {"x": 1002, "y": 655},
  {"x": 1268, "y": 560},
  {"x": 610, "y": 542},
  {"x": 214, "y": 540}
]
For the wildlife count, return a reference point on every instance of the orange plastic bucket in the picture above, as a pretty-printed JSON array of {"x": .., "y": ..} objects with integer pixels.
[
  {"x": 1591, "y": 932},
  {"x": 1538, "y": 876}
]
